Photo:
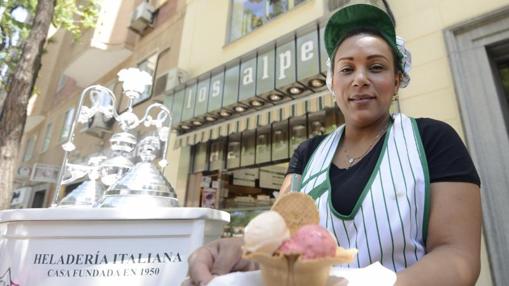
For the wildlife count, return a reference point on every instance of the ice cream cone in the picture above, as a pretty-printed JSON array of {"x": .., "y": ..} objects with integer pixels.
[
  {"x": 290, "y": 270},
  {"x": 297, "y": 209}
]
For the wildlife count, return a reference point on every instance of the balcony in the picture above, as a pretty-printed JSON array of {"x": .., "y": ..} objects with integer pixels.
[{"x": 104, "y": 47}]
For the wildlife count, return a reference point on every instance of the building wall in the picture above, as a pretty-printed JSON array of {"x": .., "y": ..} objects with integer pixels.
[
  {"x": 431, "y": 91},
  {"x": 53, "y": 98},
  {"x": 206, "y": 26}
]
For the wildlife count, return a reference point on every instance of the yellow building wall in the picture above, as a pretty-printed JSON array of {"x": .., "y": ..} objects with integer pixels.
[
  {"x": 431, "y": 91},
  {"x": 206, "y": 25}
]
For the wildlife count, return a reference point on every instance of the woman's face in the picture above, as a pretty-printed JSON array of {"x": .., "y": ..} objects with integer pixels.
[{"x": 364, "y": 79}]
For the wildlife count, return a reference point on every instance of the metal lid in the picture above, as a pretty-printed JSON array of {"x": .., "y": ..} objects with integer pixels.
[
  {"x": 85, "y": 195},
  {"x": 145, "y": 181}
]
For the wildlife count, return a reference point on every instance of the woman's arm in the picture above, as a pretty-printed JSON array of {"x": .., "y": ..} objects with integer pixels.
[
  {"x": 286, "y": 186},
  {"x": 454, "y": 238}
]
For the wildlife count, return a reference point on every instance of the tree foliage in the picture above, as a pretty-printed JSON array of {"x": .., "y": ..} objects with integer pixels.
[
  {"x": 71, "y": 15},
  {"x": 22, "y": 40}
]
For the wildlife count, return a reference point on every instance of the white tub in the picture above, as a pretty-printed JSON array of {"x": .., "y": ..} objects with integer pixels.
[{"x": 94, "y": 247}]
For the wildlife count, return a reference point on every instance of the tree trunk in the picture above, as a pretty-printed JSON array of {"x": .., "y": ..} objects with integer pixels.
[{"x": 14, "y": 111}]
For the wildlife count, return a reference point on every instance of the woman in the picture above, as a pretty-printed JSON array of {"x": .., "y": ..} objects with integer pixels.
[{"x": 403, "y": 191}]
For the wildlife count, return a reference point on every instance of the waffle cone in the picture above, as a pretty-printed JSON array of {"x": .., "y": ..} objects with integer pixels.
[
  {"x": 297, "y": 209},
  {"x": 290, "y": 270}
]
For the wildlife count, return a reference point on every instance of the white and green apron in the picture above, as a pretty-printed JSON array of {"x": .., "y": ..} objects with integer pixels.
[{"x": 389, "y": 221}]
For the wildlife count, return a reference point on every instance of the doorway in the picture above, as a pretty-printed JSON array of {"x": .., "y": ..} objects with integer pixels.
[{"x": 478, "y": 50}]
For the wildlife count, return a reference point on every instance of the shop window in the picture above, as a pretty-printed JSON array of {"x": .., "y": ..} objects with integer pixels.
[
  {"x": 29, "y": 149},
  {"x": 233, "y": 153},
  {"x": 200, "y": 158},
  {"x": 280, "y": 141},
  {"x": 216, "y": 157},
  {"x": 263, "y": 145},
  {"x": 47, "y": 137},
  {"x": 247, "y": 15},
  {"x": 66, "y": 128},
  {"x": 324, "y": 121},
  {"x": 148, "y": 65},
  {"x": 247, "y": 153},
  {"x": 298, "y": 132}
]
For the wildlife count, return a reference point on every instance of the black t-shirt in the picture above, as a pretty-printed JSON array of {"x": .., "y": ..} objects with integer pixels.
[{"x": 447, "y": 156}]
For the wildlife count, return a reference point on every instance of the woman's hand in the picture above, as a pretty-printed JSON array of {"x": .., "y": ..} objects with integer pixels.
[
  {"x": 454, "y": 238},
  {"x": 218, "y": 257}
]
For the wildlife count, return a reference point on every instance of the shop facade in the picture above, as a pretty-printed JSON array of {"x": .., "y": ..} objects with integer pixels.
[
  {"x": 245, "y": 83},
  {"x": 227, "y": 111}
]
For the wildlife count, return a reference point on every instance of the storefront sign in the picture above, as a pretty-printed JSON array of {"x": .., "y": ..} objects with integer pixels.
[
  {"x": 216, "y": 92},
  {"x": 176, "y": 108},
  {"x": 247, "y": 80},
  {"x": 274, "y": 69},
  {"x": 265, "y": 82},
  {"x": 308, "y": 64},
  {"x": 101, "y": 252},
  {"x": 285, "y": 65},
  {"x": 189, "y": 102},
  {"x": 202, "y": 97},
  {"x": 231, "y": 86}
]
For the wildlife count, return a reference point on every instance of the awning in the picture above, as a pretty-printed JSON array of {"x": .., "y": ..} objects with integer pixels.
[{"x": 296, "y": 107}]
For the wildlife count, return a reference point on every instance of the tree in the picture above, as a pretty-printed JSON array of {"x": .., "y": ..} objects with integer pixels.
[{"x": 21, "y": 46}]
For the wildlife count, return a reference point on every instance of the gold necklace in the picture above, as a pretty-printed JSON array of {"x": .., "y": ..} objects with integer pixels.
[{"x": 351, "y": 160}]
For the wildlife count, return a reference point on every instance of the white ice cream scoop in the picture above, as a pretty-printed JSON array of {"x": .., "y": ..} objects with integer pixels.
[{"x": 265, "y": 233}]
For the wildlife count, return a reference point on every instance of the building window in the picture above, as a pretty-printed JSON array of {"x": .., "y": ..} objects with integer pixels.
[
  {"x": 66, "y": 129},
  {"x": 148, "y": 65},
  {"x": 47, "y": 137},
  {"x": 247, "y": 15},
  {"x": 29, "y": 149}
]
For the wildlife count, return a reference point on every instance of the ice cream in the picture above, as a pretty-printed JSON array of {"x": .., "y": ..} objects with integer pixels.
[
  {"x": 310, "y": 241},
  {"x": 265, "y": 233},
  {"x": 303, "y": 259}
]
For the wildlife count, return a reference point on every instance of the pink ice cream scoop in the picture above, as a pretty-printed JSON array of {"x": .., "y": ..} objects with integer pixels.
[{"x": 310, "y": 241}]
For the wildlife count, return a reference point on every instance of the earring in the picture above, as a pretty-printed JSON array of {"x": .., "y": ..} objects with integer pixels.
[{"x": 395, "y": 97}]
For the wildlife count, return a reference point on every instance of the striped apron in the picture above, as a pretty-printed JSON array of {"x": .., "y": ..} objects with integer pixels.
[{"x": 389, "y": 221}]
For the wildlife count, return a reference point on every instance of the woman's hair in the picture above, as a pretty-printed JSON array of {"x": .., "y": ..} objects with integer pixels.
[{"x": 372, "y": 32}]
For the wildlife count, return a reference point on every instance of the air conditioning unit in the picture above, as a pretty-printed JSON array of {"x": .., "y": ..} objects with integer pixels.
[
  {"x": 98, "y": 125},
  {"x": 142, "y": 18},
  {"x": 23, "y": 172},
  {"x": 170, "y": 80},
  {"x": 21, "y": 197}
]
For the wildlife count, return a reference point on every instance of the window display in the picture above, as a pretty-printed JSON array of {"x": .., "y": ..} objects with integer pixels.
[
  {"x": 233, "y": 152},
  {"x": 298, "y": 132},
  {"x": 216, "y": 157},
  {"x": 280, "y": 140},
  {"x": 263, "y": 145},
  {"x": 247, "y": 153},
  {"x": 200, "y": 158}
]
